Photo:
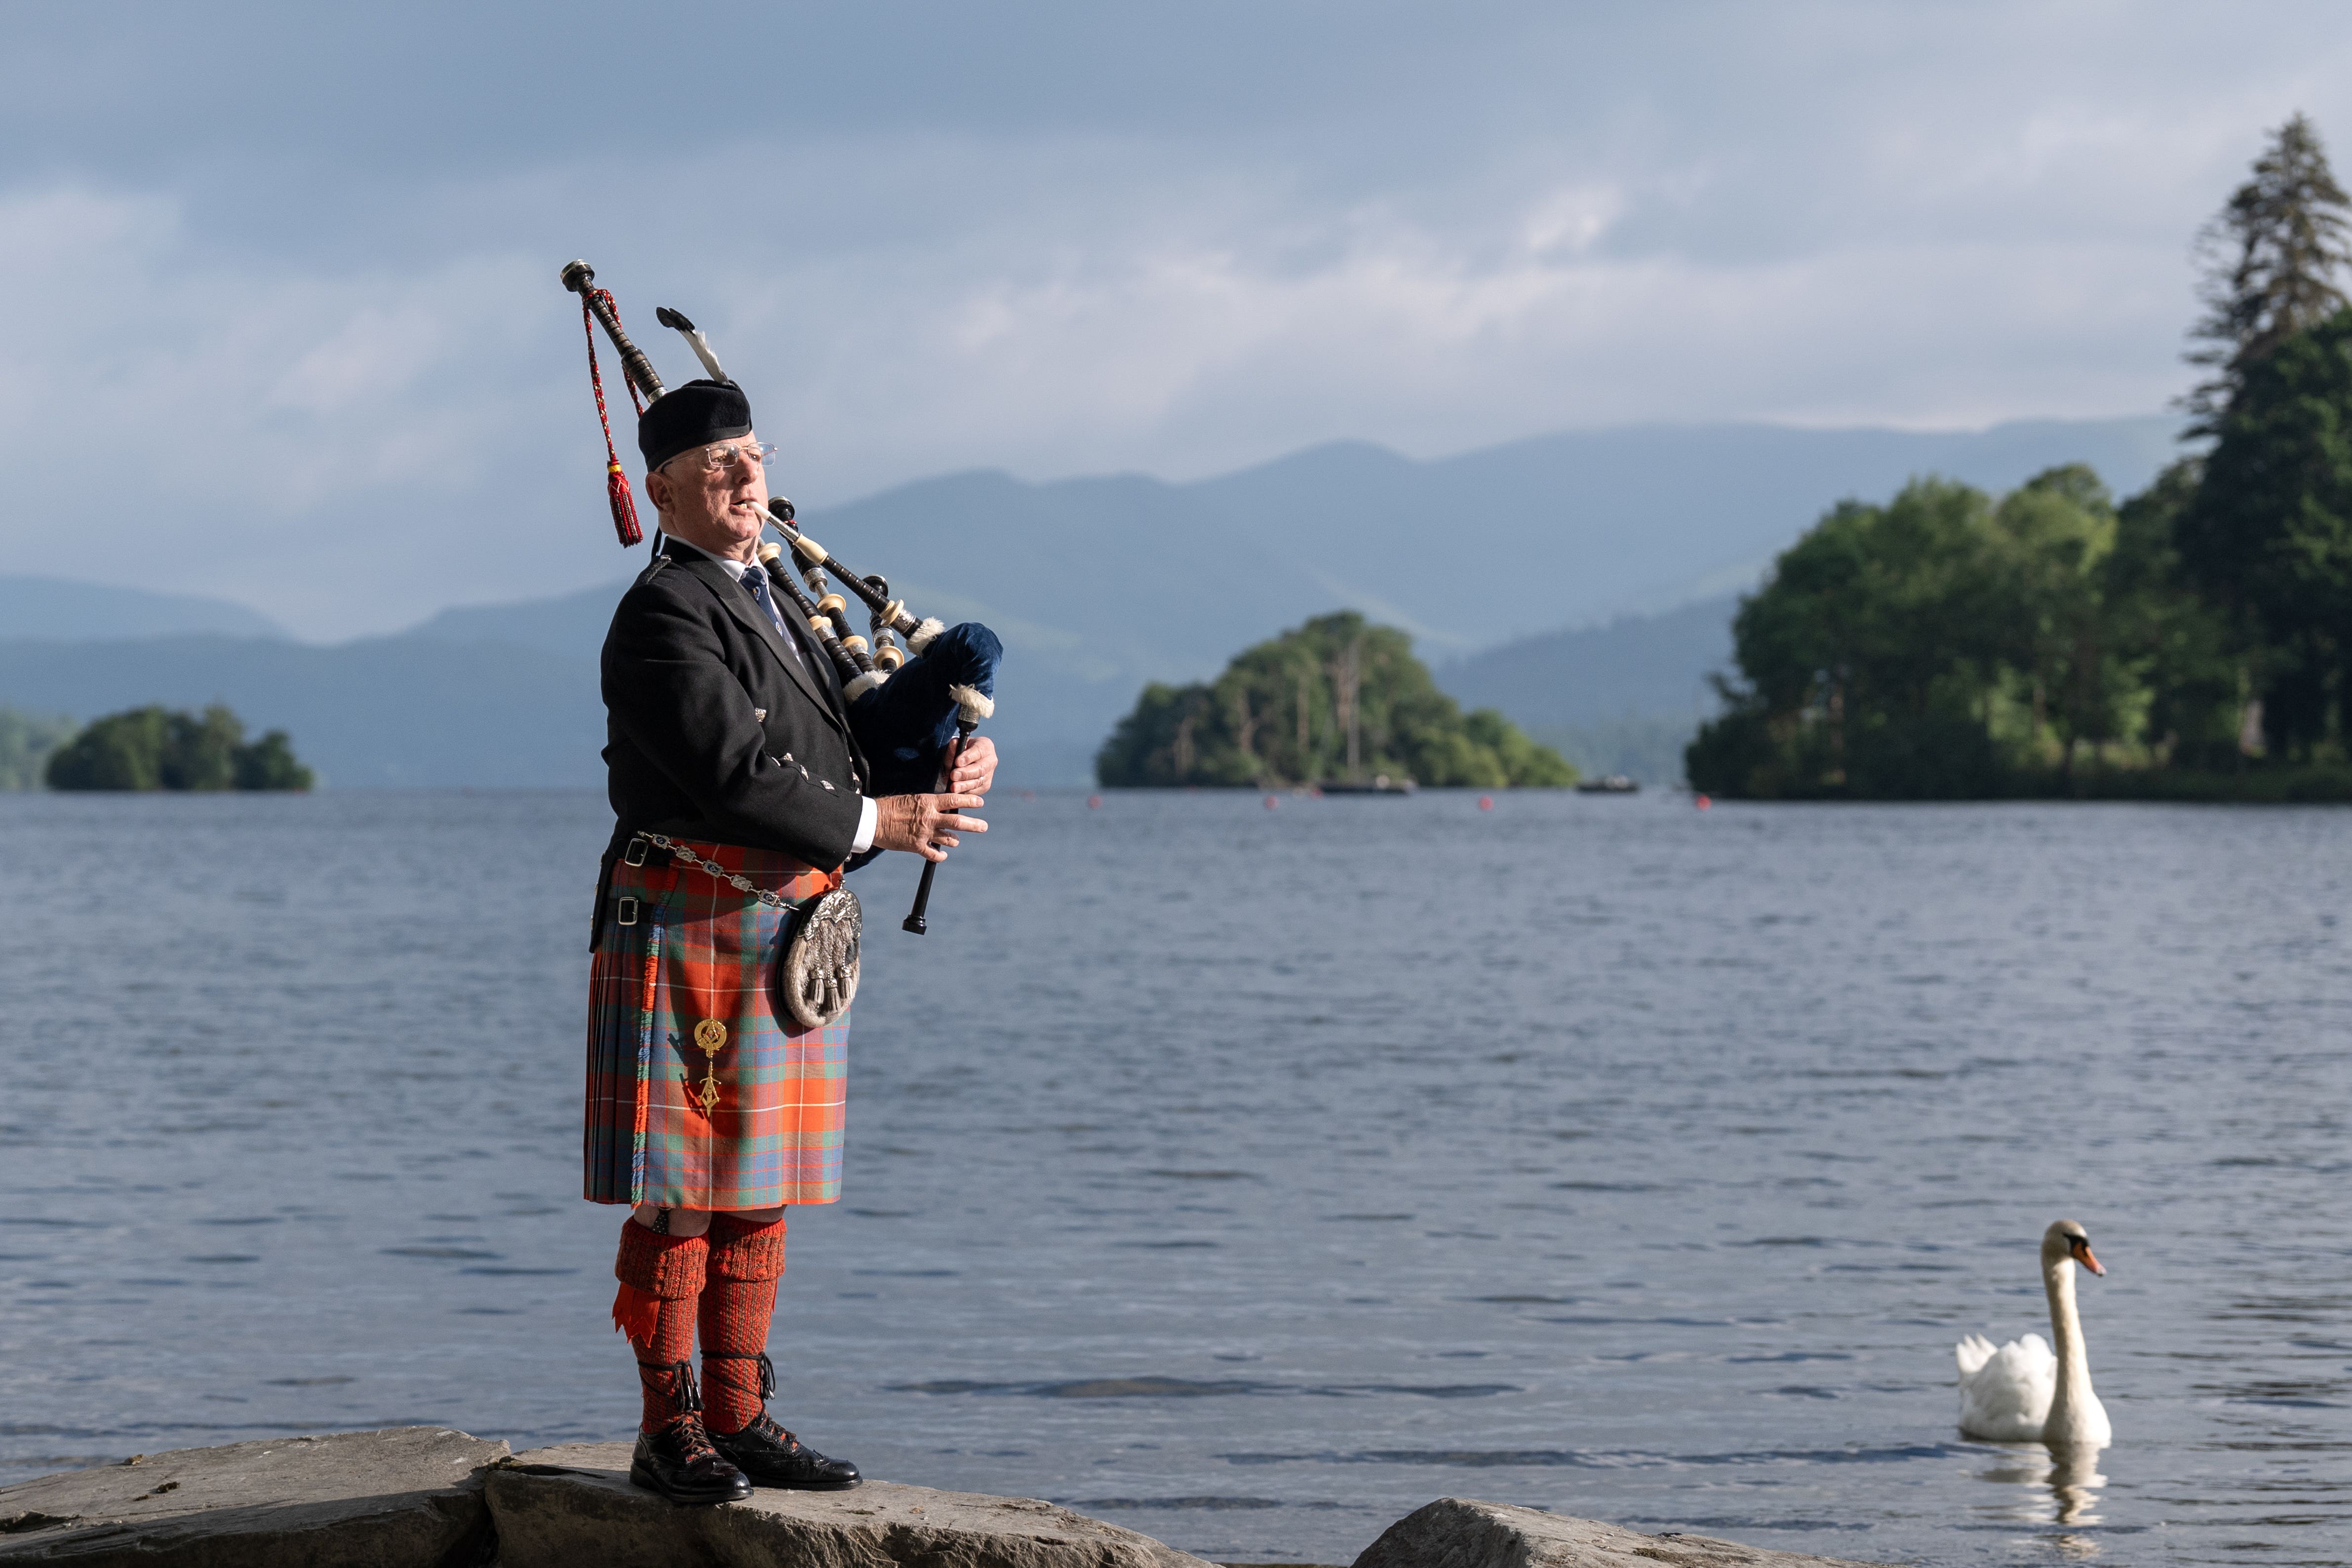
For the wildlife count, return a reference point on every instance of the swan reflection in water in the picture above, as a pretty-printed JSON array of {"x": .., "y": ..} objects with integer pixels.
[{"x": 2064, "y": 1482}]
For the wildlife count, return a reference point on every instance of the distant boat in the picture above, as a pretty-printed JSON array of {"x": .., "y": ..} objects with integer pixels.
[
  {"x": 1609, "y": 783},
  {"x": 1380, "y": 785}
]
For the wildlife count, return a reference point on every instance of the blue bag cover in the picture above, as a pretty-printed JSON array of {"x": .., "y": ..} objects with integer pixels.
[{"x": 905, "y": 725}]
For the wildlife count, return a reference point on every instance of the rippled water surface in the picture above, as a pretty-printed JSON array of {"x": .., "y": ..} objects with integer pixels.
[{"x": 1253, "y": 1177}]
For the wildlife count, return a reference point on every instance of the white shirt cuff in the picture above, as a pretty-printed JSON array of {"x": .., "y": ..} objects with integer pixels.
[{"x": 867, "y": 818}]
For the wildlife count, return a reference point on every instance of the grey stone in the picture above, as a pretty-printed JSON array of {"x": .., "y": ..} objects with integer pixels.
[
  {"x": 559, "y": 1507},
  {"x": 1458, "y": 1533},
  {"x": 410, "y": 1497}
]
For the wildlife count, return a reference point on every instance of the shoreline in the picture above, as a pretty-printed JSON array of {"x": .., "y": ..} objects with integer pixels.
[{"x": 433, "y": 1496}]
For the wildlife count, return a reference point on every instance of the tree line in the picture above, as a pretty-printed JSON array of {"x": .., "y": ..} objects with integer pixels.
[
  {"x": 1336, "y": 700},
  {"x": 2194, "y": 640}
]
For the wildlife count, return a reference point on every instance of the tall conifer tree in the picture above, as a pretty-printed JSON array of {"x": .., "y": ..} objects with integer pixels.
[
  {"x": 2271, "y": 258},
  {"x": 2268, "y": 538}
]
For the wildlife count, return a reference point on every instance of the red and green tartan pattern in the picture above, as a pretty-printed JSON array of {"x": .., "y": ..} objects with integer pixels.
[{"x": 701, "y": 951}]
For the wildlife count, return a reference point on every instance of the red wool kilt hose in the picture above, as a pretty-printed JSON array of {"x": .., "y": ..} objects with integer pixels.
[{"x": 701, "y": 959}]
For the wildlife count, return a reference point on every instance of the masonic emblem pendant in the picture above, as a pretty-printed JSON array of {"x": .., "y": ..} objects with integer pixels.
[{"x": 711, "y": 1035}]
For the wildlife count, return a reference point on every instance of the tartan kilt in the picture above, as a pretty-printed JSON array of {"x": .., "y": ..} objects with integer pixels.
[{"x": 701, "y": 951}]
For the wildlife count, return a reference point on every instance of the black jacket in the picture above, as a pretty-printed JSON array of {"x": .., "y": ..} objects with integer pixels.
[{"x": 714, "y": 730}]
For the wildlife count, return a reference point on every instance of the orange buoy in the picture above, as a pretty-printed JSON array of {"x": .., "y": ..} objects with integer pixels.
[
  {"x": 1486, "y": 802},
  {"x": 1094, "y": 803},
  {"x": 1271, "y": 803},
  {"x": 1703, "y": 803}
]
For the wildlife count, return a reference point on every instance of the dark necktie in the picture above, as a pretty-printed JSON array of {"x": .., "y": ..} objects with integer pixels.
[{"x": 755, "y": 579}]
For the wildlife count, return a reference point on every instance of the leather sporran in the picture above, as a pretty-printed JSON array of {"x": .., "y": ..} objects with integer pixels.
[{"x": 816, "y": 978}]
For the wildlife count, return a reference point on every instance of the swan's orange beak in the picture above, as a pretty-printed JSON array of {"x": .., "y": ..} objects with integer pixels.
[{"x": 2082, "y": 1251}]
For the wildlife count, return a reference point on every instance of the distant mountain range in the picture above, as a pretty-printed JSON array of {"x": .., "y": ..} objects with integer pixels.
[
  {"x": 1504, "y": 563},
  {"x": 1594, "y": 675},
  {"x": 385, "y": 712},
  {"x": 1569, "y": 529},
  {"x": 53, "y": 607},
  {"x": 1622, "y": 697}
]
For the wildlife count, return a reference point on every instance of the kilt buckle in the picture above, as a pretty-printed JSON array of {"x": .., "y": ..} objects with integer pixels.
[
  {"x": 626, "y": 912},
  {"x": 635, "y": 853}
]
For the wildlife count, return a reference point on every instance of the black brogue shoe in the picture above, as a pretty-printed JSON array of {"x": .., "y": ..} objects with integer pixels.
[
  {"x": 679, "y": 1461},
  {"x": 772, "y": 1456}
]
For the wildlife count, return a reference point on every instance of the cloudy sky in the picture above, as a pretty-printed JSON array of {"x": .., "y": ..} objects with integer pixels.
[{"x": 291, "y": 268}]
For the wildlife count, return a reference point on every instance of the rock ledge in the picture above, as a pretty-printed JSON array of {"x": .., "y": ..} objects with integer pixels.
[
  {"x": 1459, "y": 1532},
  {"x": 559, "y": 1507},
  {"x": 356, "y": 1499},
  {"x": 426, "y": 1496}
]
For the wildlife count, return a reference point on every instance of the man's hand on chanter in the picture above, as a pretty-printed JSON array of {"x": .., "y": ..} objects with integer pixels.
[
  {"x": 975, "y": 766},
  {"x": 925, "y": 824}
]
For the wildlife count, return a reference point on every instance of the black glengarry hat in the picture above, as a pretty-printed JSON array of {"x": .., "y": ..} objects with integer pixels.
[{"x": 692, "y": 416}]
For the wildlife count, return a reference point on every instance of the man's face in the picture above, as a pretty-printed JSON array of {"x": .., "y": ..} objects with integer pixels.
[{"x": 721, "y": 509}]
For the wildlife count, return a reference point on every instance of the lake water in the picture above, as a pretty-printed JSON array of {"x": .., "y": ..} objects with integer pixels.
[{"x": 1253, "y": 1177}]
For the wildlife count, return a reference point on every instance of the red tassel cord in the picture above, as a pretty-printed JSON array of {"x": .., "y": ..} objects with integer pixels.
[{"x": 616, "y": 483}]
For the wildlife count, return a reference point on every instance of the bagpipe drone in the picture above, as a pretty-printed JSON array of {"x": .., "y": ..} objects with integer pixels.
[{"x": 906, "y": 705}]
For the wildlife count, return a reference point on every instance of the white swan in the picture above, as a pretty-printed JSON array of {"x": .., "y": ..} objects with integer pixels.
[{"x": 2021, "y": 1392}]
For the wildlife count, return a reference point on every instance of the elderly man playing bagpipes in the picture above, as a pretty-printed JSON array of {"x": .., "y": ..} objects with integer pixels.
[{"x": 752, "y": 760}]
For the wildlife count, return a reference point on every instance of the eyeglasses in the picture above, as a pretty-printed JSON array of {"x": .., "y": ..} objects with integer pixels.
[{"x": 714, "y": 458}]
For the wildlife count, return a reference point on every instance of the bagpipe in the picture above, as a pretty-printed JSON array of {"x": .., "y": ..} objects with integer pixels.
[{"x": 908, "y": 706}]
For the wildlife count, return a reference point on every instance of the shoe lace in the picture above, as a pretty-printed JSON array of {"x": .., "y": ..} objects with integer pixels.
[
  {"x": 765, "y": 1424},
  {"x": 693, "y": 1443}
]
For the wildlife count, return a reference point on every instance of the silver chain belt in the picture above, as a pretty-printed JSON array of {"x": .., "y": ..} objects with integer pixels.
[{"x": 734, "y": 879}]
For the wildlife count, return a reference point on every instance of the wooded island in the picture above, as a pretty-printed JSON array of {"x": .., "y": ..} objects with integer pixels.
[
  {"x": 153, "y": 748},
  {"x": 2195, "y": 642},
  {"x": 1336, "y": 700}
]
